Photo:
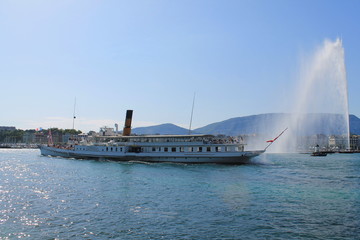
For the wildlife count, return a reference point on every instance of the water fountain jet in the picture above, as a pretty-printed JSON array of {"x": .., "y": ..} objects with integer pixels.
[{"x": 321, "y": 104}]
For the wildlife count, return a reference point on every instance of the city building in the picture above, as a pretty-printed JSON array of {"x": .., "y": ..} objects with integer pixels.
[
  {"x": 355, "y": 142},
  {"x": 5, "y": 128},
  {"x": 106, "y": 131}
]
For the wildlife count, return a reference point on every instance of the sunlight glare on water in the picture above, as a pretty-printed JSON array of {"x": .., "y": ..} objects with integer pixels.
[{"x": 279, "y": 196}]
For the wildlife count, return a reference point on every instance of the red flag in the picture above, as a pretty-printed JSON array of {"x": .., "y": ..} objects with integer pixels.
[{"x": 277, "y": 136}]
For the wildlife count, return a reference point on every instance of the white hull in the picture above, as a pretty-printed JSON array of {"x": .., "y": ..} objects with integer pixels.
[{"x": 177, "y": 157}]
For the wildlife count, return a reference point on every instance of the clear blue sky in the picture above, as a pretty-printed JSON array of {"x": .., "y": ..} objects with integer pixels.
[{"x": 240, "y": 57}]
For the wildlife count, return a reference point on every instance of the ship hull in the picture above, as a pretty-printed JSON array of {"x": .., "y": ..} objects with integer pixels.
[{"x": 223, "y": 158}]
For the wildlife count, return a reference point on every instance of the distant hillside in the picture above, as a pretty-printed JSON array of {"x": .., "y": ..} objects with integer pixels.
[
  {"x": 165, "y": 129},
  {"x": 321, "y": 123},
  {"x": 266, "y": 124},
  {"x": 354, "y": 125},
  {"x": 254, "y": 124}
]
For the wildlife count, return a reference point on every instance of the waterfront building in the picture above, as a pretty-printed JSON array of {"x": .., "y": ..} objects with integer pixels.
[
  {"x": 338, "y": 142},
  {"x": 106, "y": 131},
  {"x": 40, "y": 137},
  {"x": 5, "y": 128},
  {"x": 355, "y": 142},
  {"x": 28, "y": 137}
]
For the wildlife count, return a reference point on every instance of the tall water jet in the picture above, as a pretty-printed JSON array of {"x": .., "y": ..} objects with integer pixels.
[{"x": 321, "y": 104}]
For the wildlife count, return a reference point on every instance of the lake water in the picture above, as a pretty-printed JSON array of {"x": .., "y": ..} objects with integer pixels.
[{"x": 279, "y": 196}]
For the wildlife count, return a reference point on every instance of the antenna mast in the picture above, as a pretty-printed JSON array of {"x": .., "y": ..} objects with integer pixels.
[
  {"x": 74, "y": 115},
  {"x": 192, "y": 112}
]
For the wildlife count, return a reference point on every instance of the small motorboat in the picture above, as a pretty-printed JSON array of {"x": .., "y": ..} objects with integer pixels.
[{"x": 318, "y": 153}]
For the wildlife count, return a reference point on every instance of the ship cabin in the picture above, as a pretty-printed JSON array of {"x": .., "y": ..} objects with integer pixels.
[{"x": 169, "y": 143}]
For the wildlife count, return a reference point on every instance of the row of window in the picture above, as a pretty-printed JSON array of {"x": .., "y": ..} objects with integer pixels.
[
  {"x": 112, "y": 149},
  {"x": 107, "y": 149},
  {"x": 197, "y": 149},
  {"x": 186, "y": 149},
  {"x": 168, "y": 149}
]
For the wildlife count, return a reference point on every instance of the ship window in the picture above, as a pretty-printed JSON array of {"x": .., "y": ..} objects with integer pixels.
[
  {"x": 107, "y": 149},
  {"x": 111, "y": 149},
  {"x": 165, "y": 149},
  {"x": 135, "y": 149},
  {"x": 173, "y": 149},
  {"x": 200, "y": 149},
  {"x": 208, "y": 149},
  {"x": 154, "y": 149},
  {"x": 181, "y": 149}
]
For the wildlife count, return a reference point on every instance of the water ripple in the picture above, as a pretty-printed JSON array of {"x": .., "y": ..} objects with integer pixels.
[{"x": 285, "y": 197}]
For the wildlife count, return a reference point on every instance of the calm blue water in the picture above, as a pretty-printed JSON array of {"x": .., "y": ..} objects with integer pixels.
[{"x": 281, "y": 196}]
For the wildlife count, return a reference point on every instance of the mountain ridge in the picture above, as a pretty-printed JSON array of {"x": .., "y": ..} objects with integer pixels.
[{"x": 256, "y": 124}]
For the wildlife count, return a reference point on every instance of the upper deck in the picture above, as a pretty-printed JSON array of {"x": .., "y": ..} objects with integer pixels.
[{"x": 170, "y": 139}]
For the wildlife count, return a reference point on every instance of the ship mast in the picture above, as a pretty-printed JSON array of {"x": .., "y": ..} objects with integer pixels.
[
  {"x": 73, "y": 126},
  {"x": 192, "y": 112}
]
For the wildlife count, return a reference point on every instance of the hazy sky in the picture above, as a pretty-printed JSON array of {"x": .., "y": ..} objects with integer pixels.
[{"x": 240, "y": 57}]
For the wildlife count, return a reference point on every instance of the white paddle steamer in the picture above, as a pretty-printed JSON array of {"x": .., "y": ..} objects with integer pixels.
[{"x": 157, "y": 148}]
